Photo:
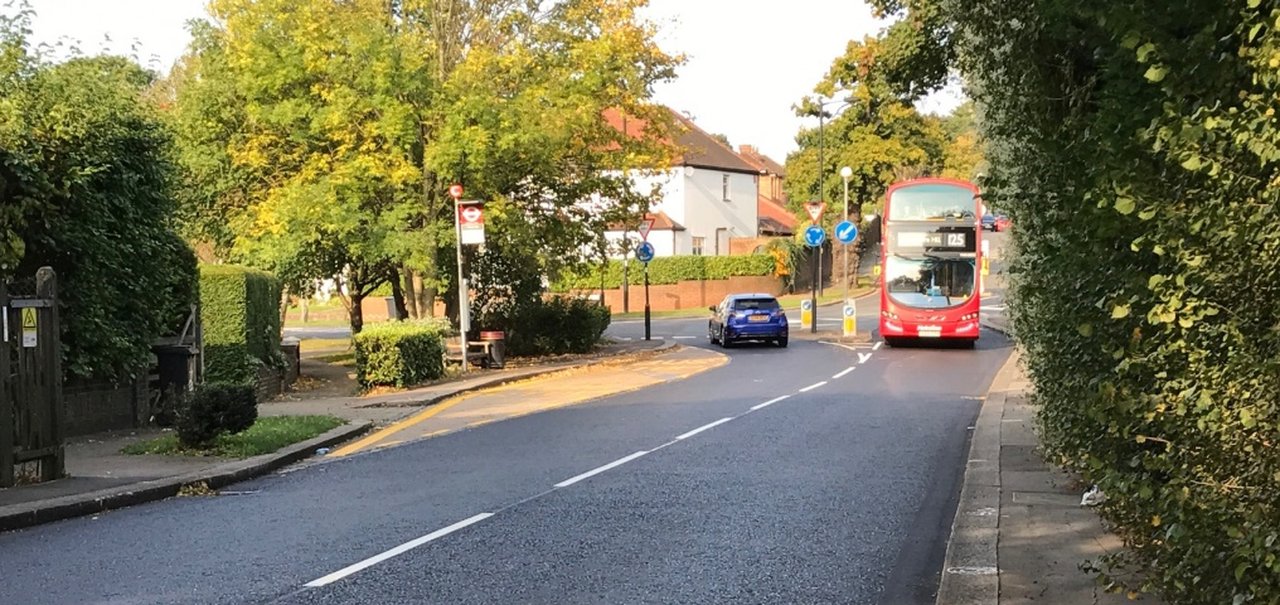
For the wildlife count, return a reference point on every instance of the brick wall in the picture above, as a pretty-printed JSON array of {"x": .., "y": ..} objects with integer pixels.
[
  {"x": 688, "y": 294},
  {"x": 92, "y": 406}
]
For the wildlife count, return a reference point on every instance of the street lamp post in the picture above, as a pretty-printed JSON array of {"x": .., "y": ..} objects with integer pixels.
[{"x": 845, "y": 173}]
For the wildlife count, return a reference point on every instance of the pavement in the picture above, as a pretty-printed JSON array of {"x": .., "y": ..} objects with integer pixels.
[{"x": 100, "y": 477}]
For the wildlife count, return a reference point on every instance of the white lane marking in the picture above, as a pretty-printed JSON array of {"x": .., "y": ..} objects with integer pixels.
[
  {"x": 842, "y": 373},
  {"x": 838, "y": 344},
  {"x": 596, "y": 471},
  {"x": 399, "y": 550},
  {"x": 813, "y": 386},
  {"x": 863, "y": 357},
  {"x": 768, "y": 403},
  {"x": 684, "y": 337},
  {"x": 876, "y": 347},
  {"x": 703, "y": 428}
]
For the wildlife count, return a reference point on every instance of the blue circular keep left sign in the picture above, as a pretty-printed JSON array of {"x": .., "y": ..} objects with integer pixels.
[
  {"x": 846, "y": 232},
  {"x": 644, "y": 252},
  {"x": 814, "y": 235}
]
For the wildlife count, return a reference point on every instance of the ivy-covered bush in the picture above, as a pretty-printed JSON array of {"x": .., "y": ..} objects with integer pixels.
[
  {"x": 213, "y": 409},
  {"x": 1136, "y": 146},
  {"x": 240, "y": 311},
  {"x": 400, "y": 354},
  {"x": 670, "y": 270}
]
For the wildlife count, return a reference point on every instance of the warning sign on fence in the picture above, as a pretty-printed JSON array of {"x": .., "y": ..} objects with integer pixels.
[{"x": 30, "y": 328}]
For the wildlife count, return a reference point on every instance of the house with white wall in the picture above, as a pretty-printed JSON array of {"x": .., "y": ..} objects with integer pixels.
[{"x": 708, "y": 196}]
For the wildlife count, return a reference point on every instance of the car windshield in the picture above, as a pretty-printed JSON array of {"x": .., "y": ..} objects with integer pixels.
[
  {"x": 755, "y": 304},
  {"x": 931, "y": 202},
  {"x": 929, "y": 283}
]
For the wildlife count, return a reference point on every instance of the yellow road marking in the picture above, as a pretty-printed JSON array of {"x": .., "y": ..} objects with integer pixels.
[{"x": 394, "y": 428}]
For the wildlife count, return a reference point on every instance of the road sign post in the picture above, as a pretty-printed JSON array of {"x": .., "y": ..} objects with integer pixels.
[
  {"x": 644, "y": 254},
  {"x": 813, "y": 237},
  {"x": 846, "y": 232}
]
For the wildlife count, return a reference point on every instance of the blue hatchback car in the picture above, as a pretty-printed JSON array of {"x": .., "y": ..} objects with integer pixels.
[{"x": 743, "y": 317}]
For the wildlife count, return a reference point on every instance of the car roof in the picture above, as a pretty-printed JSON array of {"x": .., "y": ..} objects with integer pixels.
[{"x": 756, "y": 295}]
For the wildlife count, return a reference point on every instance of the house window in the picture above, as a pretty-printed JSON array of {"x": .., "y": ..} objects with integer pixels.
[
  {"x": 724, "y": 187},
  {"x": 697, "y": 245}
]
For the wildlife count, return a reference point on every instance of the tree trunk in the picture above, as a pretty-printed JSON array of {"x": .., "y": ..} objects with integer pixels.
[
  {"x": 397, "y": 295},
  {"x": 409, "y": 294},
  {"x": 304, "y": 308},
  {"x": 356, "y": 312},
  {"x": 426, "y": 297},
  {"x": 284, "y": 307}
]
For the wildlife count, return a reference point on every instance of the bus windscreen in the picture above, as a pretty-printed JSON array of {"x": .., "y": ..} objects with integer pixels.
[{"x": 932, "y": 203}]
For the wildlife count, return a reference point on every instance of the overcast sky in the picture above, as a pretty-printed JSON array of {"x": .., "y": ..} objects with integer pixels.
[{"x": 748, "y": 60}]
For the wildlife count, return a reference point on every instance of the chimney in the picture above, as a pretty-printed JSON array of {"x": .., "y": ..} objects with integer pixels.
[{"x": 747, "y": 149}]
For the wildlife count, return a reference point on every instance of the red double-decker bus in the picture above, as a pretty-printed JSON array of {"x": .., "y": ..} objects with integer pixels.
[{"x": 930, "y": 261}]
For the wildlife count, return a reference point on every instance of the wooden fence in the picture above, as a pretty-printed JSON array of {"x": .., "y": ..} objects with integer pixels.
[{"x": 31, "y": 423}]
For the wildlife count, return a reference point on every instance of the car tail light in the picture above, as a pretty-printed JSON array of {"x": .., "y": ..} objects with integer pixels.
[{"x": 968, "y": 317}]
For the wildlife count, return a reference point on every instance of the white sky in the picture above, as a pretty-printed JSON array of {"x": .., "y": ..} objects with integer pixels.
[{"x": 748, "y": 60}]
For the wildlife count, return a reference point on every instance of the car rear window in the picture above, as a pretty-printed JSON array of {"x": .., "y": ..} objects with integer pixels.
[{"x": 749, "y": 304}]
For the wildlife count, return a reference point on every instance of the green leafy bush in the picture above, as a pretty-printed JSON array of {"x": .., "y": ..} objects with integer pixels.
[
  {"x": 670, "y": 270},
  {"x": 240, "y": 311},
  {"x": 400, "y": 354},
  {"x": 214, "y": 409},
  {"x": 86, "y": 180},
  {"x": 1141, "y": 168},
  {"x": 557, "y": 326}
]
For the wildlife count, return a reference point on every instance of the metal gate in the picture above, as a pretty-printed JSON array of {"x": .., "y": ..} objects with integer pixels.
[{"x": 31, "y": 447}]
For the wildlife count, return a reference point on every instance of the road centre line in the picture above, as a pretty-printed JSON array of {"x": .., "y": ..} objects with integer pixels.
[
  {"x": 876, "y": 347},
  {"x": 842, "y": 373},
  {"x": 863, "y": 357},
  {"x": 703, "y": 428},
  {"x": 600, "y": 469},
  {"x": 399, "y": 550},
  {"x": 768, "y": 403},
  {"x": 813, "y": 386}
]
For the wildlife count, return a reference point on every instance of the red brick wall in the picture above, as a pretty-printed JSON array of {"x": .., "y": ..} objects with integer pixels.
[{"x": 687, "y": 294}]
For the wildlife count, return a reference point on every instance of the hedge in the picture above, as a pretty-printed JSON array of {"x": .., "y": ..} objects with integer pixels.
[
  {"x": 671, "y": 270},
  {"x": 400, "y": 354},
  {"x": 1139, "y": 161},
  {"x": 239, "y": 308}
]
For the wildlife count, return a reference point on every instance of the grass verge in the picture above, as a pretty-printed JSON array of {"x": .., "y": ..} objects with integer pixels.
[{"x": 267, "y": 435}]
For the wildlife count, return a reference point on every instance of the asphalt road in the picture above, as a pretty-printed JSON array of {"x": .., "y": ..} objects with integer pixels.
[{"x": 709, "y": 490}]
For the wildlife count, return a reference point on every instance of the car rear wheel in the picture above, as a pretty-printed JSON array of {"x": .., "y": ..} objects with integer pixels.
[{"x": 781, "y": 342}]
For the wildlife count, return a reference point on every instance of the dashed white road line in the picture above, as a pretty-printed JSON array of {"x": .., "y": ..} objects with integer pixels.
[
  {"x": 876, "y": 347},
  {"x": 768, "y": 403},
  {"x": 596, "y": 471},
  {"x": 684, "y": 337},
  {"x": 399, "y": 550},
  {"x": 842, "y": 373},
  {"x": 863, "y": 357},
  {"x": 703, "y": 428},
  {"x": 813, "y": 386}
]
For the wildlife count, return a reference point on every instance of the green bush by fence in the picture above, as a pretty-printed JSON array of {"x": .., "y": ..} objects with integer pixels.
[
  {"x": 240, "y": 311},
  {"x": 400, "y": 354},
  {"x": 214, "y": 409},
  {"x": 671, "y": 270}
]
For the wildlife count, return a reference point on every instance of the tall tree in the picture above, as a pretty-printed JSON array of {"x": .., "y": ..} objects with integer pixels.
[{"x": 346, "y": 123}]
